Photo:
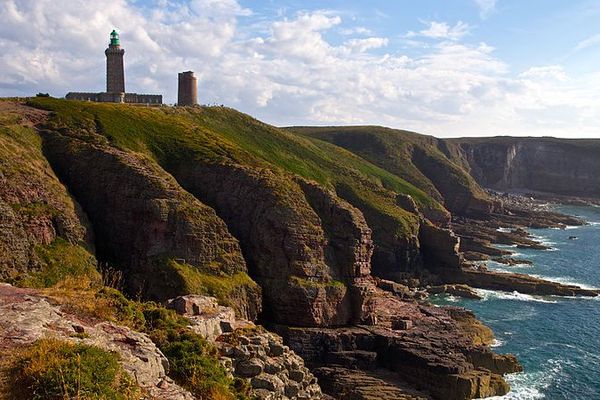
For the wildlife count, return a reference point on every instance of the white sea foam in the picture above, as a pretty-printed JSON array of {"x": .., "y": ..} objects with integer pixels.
[
  {"x": 565, "y": 280},
  {"x": 504, "y": 230},
  {"x": 515, "y": 296},
  {"x": 531, "y": 385},
  {"x": 451, "y": 298},
  {"x": 570, "y": 227},
  {"x": 497, "y": 343}
]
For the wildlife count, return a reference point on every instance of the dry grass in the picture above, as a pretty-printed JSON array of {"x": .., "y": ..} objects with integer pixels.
[{"x": 51, "y": 369}]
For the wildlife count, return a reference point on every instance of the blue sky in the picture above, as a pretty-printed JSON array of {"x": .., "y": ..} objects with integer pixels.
[{"x": 447, "y": 68}]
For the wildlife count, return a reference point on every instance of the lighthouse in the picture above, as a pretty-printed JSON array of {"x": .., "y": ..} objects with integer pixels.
[
  {"x": 115, "y": 81},
  {"x": 115, "y": 75}
]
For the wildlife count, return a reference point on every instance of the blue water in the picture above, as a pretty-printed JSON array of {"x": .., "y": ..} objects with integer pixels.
[{"x": 556, "y": 339}]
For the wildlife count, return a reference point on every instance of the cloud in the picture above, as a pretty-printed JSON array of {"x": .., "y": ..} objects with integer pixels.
[
  {"x": 441, "y": 30},
  {"x": 359, "y": 30},
  {"x": 362, "y": 45},
  {"x": 486, "y": 8},
  {"x": 292, "y": 70},
  {"x": 590, "y": 41}
]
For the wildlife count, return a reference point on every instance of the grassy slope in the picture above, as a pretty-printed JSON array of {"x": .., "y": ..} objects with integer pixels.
[
  {"x": 393, "y": 151},
  {"x": 222, "y": 135}
]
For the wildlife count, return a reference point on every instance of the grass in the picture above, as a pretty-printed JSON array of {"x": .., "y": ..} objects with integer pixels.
[
  {"x": 219, "y": 286},
  {"x": 194, "y": 362},
  {"x": 56, "y": 370},
  {"x": 60, "y": 261},
  {"x": 306, "y": 283},
  {"x": 176, "y": 136},
  {"x": 424, "y": 161}
]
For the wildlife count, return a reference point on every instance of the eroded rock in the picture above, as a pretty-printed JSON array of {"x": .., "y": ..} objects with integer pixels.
[{"x": 26, "y": 316}]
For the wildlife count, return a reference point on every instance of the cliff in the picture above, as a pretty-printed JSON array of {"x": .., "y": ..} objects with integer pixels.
[
  {"x": 554, "y": 166},
  {"x": 292, "y": 228},
  {"x": 421, "y": 160}
]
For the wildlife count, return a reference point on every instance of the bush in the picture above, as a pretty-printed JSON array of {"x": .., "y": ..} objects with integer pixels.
[
  {"x": 53, "y": 369},
  {"x": 194, "y": 363}
]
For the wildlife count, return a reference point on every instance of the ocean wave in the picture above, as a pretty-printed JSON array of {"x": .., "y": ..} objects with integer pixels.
[
  {"x": 504, "y": 230},
  {"x": 570, "y": 227},
  {"x": 497, "y": 343},
  {"x": 516, "y": 296},
  {"x": 565, "y": 280},
  {"x": 531, "y": 385}
]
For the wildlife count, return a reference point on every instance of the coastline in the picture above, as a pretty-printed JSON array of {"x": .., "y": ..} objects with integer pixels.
[{"x": 512, "y": 314}]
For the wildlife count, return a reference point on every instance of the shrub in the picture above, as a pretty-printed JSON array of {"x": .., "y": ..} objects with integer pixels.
[
  {"x": 194, "y": 362},
  {"x": 53, "y": 369}
]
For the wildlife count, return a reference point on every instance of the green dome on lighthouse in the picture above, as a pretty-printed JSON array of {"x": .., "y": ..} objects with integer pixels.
[{"x": 114, "y": 38}]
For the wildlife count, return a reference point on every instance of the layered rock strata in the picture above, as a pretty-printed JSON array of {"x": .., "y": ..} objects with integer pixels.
[
  {"x": 559, "y": 166},
  {"x": 308, "y": 249},
  {"x": 35, "y": 208},
  {"x": 432, "y": 349},
  {"x": 146, "y": 223}
]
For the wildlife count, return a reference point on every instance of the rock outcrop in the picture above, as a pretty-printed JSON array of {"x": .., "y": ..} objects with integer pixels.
[
  {"x": 144, "y": 222},
  {"x": 26, "y": 316},
  {"x": 441, "y": 352},
  {"x": 249, "y": 352},
  {"x": 307, "y": 248}
]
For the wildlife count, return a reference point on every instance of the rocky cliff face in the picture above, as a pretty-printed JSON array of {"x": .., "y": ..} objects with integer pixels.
[
  {"x": 190, "y": 201},
  {"x": 432, "y": 349},
  {"x": 144, "y": 222},
  {"x": 558, "y": 166},
  {"x": 35, "y": 208},
  {"x": 305, "y": 258}
]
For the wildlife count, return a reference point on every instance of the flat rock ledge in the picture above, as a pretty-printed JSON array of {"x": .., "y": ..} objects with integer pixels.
[
  {"x": 250, "y": 352},
  {"x": 27, "y": 316}
]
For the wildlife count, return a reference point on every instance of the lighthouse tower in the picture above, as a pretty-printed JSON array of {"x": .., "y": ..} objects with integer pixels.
[{"x": 115, "y": 76}]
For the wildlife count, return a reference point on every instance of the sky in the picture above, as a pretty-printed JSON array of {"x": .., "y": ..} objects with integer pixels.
[{"x": 447, "y": 68}]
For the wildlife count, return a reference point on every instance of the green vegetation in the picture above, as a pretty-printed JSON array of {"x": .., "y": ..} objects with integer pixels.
[
  {"x": 306, "y": 283},
  {"x": 52, "y": 369},
  {"x": 194, "y": 361},
  {"x": 220, "y": 286},
  {"x": 218, "y": 135},
  {"x": 60, "y": 261},
  {"x": 426, "y": 162}
]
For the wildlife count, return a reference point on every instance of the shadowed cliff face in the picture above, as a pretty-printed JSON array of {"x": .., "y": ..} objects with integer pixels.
[
  {"x": 144, "y": 222},
  {"x": 305, "y": 258},
  {"x": 35, "y": 208},
  {"x": 558, "y": 166}
]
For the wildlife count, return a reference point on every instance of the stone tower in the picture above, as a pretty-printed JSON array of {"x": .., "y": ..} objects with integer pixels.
[
  {"x": 115, "y": 76},
  {"x": 187, "y": 94}
]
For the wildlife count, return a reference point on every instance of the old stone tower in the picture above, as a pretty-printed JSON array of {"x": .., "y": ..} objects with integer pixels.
[
  {"x": 115, "y": 75},
  {"x": 187, "y": 94}
]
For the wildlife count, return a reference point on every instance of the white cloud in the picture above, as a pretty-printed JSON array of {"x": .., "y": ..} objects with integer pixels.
[
  {"x": 359, "y": 30},
  {"x": 289, "y": 71},
  {"x": 362, "y": 45},
  {"x": 590, "y": 41},
  {"x": 486, "y": 8},
  {"x": 441, "y": 30}
]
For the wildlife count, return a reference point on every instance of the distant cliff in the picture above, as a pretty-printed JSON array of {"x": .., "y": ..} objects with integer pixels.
[{"x": 557, "y": 166}]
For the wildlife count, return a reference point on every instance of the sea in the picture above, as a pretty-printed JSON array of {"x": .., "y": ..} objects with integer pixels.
[{"x": 556, "y": 339}]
